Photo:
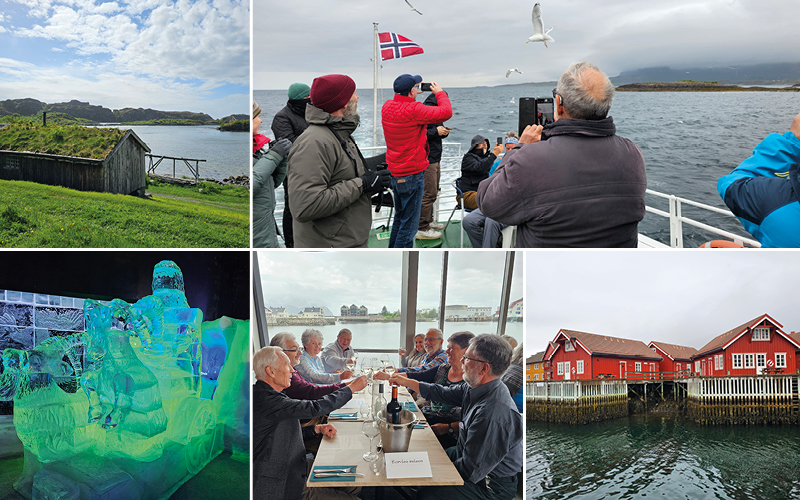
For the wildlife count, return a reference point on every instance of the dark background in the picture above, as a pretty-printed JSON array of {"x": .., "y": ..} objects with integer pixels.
[{"x": 217, "y": 282}]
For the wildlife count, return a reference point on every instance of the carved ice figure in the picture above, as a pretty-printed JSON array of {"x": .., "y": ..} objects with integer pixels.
[{"x": 120, "y": 388}]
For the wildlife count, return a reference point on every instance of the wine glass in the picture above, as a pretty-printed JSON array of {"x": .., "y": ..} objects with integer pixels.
[
  {"x": 376, "y": 466},
  {"x": 371, "y": 429},
  {"x": 351, "y": 363},
  {"x": 365, "y": 411},
  {"x": 384, "y": 359}
]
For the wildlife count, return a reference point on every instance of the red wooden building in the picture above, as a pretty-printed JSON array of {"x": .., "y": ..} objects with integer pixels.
[
  {"x": 675, "y": 358},
  {"x": 796, "y": 337},
  {"x": 753, "y": 348},
  {"x": 580, "y": 355}
]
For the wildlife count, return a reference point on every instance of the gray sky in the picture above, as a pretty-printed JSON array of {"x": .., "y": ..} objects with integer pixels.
[
  {"x": 678, "y": 297},
  {"x": 472, "y": 42},
  {"x": 373, "y": 278}
]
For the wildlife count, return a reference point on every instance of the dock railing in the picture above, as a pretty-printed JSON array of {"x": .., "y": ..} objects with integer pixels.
[
  {"x": 195, "y": 170},
  {"x": 576, "y": 390},
  {"x": 744, "y": 388}
]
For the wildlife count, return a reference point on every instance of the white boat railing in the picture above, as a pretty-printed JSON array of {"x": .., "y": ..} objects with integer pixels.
[
  {"x": 676, "y": 220},
  {"x": 451, "y": 169}
]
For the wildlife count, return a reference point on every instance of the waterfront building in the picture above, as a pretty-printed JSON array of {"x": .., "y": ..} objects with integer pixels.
[
  {"x": 676, "y": 359},
  {"x": 312, "y": 312},
  {"x": 753, "y": 348},
  {"x": 534, "y": 367},
  {"x": 353, "y": 311},
  {"x": 516, "y": 309},
  {"x": 581, "y": 355},
  {"x": 279, "y": 312}
]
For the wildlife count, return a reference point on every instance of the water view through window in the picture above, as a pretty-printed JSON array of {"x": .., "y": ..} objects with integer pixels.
[{"x": 365, "y": 291}]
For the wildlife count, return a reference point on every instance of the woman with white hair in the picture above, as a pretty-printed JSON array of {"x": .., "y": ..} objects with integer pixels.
[{"x": 311, "y": 366}]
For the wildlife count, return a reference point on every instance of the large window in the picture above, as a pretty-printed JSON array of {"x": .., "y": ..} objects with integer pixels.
[
  {"x": 579, "y": 366},
  {"x": 386, "y": 297},
  {"x": 780, "y": 360},
  {"x": 749, "y": 361},
  {"x": 737, "y": 361},
  {"x": 761, "y": 333}
]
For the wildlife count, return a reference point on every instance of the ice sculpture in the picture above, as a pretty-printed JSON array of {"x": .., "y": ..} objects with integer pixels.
[{"x": 138, "y": 425}]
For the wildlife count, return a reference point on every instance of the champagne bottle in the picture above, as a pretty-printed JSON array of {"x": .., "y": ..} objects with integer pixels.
[
  {"x": 380, "y": 401},
  {"x": 393, "y": 408}
]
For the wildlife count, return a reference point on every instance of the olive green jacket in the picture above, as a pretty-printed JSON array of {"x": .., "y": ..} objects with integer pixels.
[{"x": 325, "y": 189}]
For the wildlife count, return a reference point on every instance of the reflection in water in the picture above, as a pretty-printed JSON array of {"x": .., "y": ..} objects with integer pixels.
[{"x": 664, "y": 456}]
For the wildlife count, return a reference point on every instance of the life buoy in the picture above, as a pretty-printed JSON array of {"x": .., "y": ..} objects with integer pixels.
[{"x": 721, "y": 244}]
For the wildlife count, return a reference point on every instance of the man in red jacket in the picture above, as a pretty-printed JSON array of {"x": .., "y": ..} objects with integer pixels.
[{"x": 405, "y": 123}]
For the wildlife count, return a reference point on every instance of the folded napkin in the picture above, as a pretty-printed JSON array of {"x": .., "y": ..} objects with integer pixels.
[
  {"x": 410, "y": 406},
  {"x": 343, "y": 417},
  {"x": 336, "y": 468}
]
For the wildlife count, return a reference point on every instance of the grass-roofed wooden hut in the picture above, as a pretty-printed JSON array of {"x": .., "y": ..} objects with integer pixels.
[{"x": 86, "y": 159}]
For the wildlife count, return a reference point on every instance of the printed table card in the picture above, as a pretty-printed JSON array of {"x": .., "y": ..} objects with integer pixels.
[{"x": 409, "y": 464}]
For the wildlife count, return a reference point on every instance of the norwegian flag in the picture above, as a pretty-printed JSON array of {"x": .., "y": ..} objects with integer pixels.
[{"x": 394, "y": 46}]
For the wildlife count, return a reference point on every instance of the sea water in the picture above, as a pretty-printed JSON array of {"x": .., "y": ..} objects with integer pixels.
[
  {"x": 689, "y": 139},
  {"x": 655, "y": 456},
  {"x": 225, "y": 153}
]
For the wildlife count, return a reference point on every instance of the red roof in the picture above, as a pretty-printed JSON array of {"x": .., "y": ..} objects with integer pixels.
[
  {"x": 604, "y": 345},
  {"x": 724, "y": 340},
  {"x": 675, "y": 352}
]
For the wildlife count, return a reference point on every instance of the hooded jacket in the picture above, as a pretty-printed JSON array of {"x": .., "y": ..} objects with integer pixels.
[
  {"x": 582, "y": 187},
  {"x": 290, "y": 121},
  {"x": 764, "y": 191},
  {"x": 405, "y": 123},
  {"x": 474, "y": 166},
  {"x": 325, "y": 190}
]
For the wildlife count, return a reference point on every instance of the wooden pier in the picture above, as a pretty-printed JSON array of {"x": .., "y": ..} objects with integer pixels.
[
  {"x": 752, "y": 399},
  {"x": 155, "y": 161},
  {"x": 755, "y": 399},
  {"x": 577, "y": 401}
]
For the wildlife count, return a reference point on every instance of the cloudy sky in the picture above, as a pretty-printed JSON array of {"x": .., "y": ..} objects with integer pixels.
[
  {"x": 373, "y": 279},
  {"x": 472, "y": 42},
  {"x": 189, "y": 55},
  {"x": 684, "y": 297}
]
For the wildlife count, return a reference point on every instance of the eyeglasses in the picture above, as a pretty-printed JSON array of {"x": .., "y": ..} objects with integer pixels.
[
  {"x": 290, "y": 350},
  {"x": 432, "y": 340},
  {"x": 473, "y": 359},
  {"x": 559, "y": 95}
]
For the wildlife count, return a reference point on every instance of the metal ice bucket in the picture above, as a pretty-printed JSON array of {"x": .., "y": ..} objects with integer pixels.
[{"x": 396, "y": 437}]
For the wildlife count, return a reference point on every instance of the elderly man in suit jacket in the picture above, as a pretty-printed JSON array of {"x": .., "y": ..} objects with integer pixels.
[{"x": 280, "y": 466}]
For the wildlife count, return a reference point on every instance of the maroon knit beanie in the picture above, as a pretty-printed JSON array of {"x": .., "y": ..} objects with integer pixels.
[{"x": 332, "y": 92}]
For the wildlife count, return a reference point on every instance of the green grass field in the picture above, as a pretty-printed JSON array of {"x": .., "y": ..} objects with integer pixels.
[
  {"x": 39, "y": 216},
  {"x": 206, "y": 192}
]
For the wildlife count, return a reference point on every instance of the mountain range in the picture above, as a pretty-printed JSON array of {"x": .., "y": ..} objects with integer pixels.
[{"x": 100, "y": 114}]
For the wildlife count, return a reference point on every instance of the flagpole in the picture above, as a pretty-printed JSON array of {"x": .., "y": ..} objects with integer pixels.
[{"x": 375, "y": 87}]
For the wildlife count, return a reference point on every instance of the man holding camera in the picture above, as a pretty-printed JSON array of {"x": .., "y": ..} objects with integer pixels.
[
  {"x": 329, "y": 188},
  {"x": 405, "y": 121},
  {"x": 574, "y": 182}
]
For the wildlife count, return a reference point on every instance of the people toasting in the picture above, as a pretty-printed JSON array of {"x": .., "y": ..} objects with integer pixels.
[
  {"x": 280, "y": 463},
  {"x": 311, "y": 366},
  {"x": 435, "y": 355},
  {"x": 488, "y": 453}
]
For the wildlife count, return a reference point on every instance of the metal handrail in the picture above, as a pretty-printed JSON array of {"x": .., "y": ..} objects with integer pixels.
[{"x": 676, "y": 220}]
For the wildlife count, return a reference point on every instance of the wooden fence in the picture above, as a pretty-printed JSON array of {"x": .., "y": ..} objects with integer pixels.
[{"x": 753, "y": 399}]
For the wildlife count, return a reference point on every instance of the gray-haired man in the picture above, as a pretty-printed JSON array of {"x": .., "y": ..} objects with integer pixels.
[
  {"x": 573, "y": 182},
  {"x": 489, "y": 451}
]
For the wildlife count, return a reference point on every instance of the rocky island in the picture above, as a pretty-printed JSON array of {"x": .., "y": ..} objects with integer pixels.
[{"x": 697, "y": 86}]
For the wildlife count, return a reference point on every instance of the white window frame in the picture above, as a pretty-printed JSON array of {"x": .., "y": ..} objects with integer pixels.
[
  {"x": 737, "y": 361},
  {"x": 749, "y": 361},
  {"x": 637, "y": 366},
  {"x": 718, "y": 361},
  {"x": 560, "y": 369},
  {"x": 697, "y": 366},
  {"x": 579, "y": 367},
  {"x": 568, "y": 345},
  {"x": 761, "y": 334},
  {"x": 535, "y": 376},
  {"x": 782, "y": 357},
  {"x": 536, "y": 366}
]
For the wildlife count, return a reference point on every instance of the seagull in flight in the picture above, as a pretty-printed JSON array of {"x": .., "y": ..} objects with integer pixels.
[
  {"x": 512, "y": 101},
  {"x": 412, "y": 8},
  {"x": 515, "y": 70},
  {"x": 539, "y": 34}
]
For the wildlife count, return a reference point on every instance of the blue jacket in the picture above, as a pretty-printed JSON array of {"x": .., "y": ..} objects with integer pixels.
[{"x": 764, "y": 191}]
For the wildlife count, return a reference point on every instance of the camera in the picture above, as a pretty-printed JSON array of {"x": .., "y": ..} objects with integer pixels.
[
  {"x": 535, "y": 111},
  {"x": 426, "y": 87}
]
